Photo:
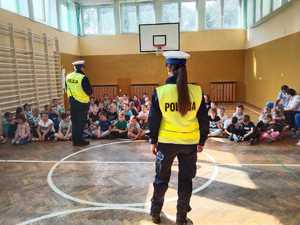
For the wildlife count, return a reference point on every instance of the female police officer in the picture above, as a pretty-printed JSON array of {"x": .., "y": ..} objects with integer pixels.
[{"x": 178, "y": 127}]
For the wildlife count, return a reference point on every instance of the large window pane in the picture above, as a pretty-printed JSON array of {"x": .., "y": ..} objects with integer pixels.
[
  {"x": 51, "y": 13},
  {"x": 276, "y": 4},
  {"x": 63, "y": 9},
  {"x": 189, "y": 16},
  {"x": 10, "y": 5},
  {"x": 232, "y": 16},
  {"x": 258, "y": 10},
  {"x": 39, "y": 10},
  {"x": 90, "y": 21},
  {"x": 213, "y": 14},
  {"x": 170, "y": 12},
  {"x": 146, "y": 13},
  {"x": 23, "y": 7},
  {"x": 250, "y": 13},
  {"x": 129, "y": 18},
  {"x": 107, "y": 20},
  {"x": 266, "y": 7},
  {"x": 72, "y": 18}
]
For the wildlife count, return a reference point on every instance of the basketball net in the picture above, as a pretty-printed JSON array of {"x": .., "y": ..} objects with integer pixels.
[{"x": 159, "y": 49}]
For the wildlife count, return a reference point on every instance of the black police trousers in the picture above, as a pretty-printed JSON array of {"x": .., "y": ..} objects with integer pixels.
[
  {"x": 79, "y": 119},
  {"x": 187, "y": 159}
]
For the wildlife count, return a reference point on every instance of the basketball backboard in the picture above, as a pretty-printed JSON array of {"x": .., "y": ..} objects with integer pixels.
[{"x": 165, "y": 36}]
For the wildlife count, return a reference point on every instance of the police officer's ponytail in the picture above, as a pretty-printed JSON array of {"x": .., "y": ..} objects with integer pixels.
[{"x": 184, "y": 101}]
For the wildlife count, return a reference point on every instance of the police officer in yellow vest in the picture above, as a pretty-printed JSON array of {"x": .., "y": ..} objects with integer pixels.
[
  {"x": 79, "y": 91},
  {"x": 178, "y": 128}
]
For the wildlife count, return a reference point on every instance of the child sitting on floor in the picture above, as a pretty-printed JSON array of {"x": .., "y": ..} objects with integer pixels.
[
  {"x": 9, "y": 125},
  {"x": 215, "y": 126},
  {"x": 224, "y": 119},
  {"x": 134, "y": 130},
  {"x": 143, "y": 117},
  {"x": 45, "y": 128},
  {"x": 93, "y": 130},
  {"x": 65, "y": 128},
  {"x": 120, "y": 127},
  {"x": 248, "y": 130},
  {"x": 234, "y": 131},
  {"x": 239, "y": 114},
  {"x": 105, "y": 125},
  {"x": 268, "y": 130},
  {"x": 22, "y": 135},
  {"x": 35, "y": 122}
]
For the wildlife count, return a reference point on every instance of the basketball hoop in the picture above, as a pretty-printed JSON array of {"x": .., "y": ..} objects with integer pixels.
[{"x": 159, "y": 49}]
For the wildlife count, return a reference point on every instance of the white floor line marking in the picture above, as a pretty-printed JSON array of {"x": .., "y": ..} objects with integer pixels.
[
  {"x": 99, "y": 204},
  {"x": 145, "y": 162},
  {"x": 80, "y": 210}
]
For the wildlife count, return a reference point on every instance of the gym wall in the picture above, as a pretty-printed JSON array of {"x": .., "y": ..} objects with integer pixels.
[
  {"x": 272, "y": 57},
  {"x": 216, "y": 55},
  {"x": 68, "y": 43}
]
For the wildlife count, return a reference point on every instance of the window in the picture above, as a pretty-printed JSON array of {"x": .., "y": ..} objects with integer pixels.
[
  {"x": 90, "y": 20},
  {"x": 276, "y": 4},
  {"x": 23, "y": 7},
  {"x": 107, "y": 20},
  {"x": 129, "y": 18},
  {"x": 170, "y": 12},
  {"x": 51, "y": 13},
  {"x": 72, "y": 18},
  {"x": 146, "y": 13},
  {"x": 213, "y": 14},
  {"x": 250, "y": 13},
  {"x": 39, "y": 10},
  {"x": 63, "y": 11},
  {"x": 189, "y": 16},
  {"x": 10, "y": 5},
  {"x": 266, "y": 7},
  {"x": 258, "y": 10},
  {"x": 231, "y": 15}
]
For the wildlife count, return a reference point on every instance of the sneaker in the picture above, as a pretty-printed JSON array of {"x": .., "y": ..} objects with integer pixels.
[{"x": 298, "y": 144}]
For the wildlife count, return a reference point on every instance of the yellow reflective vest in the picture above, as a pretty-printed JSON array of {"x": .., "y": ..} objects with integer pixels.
[
  {"x": 175, "y": 128},
  {"x": 74, "y": 87}
]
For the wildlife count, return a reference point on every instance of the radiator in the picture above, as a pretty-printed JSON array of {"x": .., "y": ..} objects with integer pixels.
[
  {"x": 100, "y": 90},
  {"x": 140, "y": 89},
  {"x": 223, "y": 91}
]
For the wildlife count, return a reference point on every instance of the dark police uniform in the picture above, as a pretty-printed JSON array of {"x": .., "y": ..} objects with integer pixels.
[
  {"x": 78, "y": 90},
  {"x": 177, "y": 136}
]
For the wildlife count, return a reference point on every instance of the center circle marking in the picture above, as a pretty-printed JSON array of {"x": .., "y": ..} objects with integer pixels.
[{"x": 118, "y": 205}]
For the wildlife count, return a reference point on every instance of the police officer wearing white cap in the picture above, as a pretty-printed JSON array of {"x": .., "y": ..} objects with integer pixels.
[
  {"x": 79, "y": 91},
  {"x": 178, "y": 123}
]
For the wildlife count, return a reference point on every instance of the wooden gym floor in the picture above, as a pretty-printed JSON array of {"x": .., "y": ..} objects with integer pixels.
[{"x": 110, "y": 183}]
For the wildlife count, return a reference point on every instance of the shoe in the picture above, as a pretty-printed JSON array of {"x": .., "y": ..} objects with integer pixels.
[
  {"x": 156, "y": 219},
  {"x": 298, "y": 144},
  {"x": 81, "y": 144},
  {"x": 186, "y": 222}
]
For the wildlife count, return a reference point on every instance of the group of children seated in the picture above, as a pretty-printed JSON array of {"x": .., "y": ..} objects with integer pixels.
[
  {"x": 118, "y": 118},
  {"x": 240, "y": 128},
  {"x": 124, "y": 117},
  {"x": 109, "y": 118},
  {"x": 272, "y": 124}
]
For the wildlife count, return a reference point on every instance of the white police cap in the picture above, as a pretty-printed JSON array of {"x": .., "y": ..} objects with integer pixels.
[
  {"x": 80, "y": 62},
  {"x": 176, "y": 55}
]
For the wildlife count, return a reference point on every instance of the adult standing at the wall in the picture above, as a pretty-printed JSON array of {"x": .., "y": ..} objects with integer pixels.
[
  {"x": 79, "y": 91},
  {"x": 178, "y": 128}
]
